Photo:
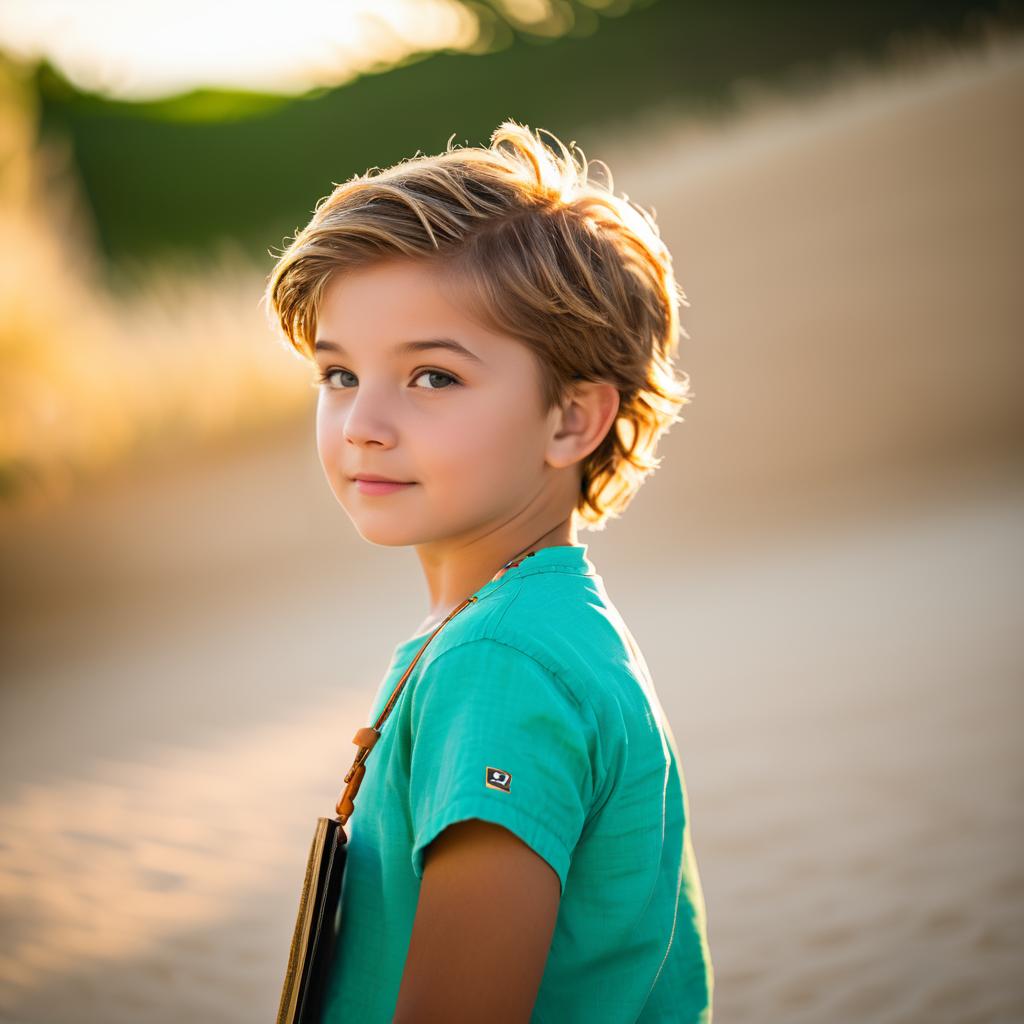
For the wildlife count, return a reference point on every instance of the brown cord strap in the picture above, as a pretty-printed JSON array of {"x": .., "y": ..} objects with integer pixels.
[{"x": 366, "y": 737}]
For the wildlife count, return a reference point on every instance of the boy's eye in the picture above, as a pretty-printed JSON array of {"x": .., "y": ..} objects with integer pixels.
[
  {"x": 437, "y": 373},
  {"x": 325, "y": 378}
]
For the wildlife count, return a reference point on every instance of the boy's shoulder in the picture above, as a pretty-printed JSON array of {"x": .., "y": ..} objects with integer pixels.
[{"x": 564, "y": 621}]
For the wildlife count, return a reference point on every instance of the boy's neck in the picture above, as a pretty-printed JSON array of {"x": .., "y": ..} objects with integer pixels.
[{"x": 453, "y": 577}]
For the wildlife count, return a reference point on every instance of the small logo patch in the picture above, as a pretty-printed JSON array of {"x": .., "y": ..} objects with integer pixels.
[{"x": 495, "y": 778}]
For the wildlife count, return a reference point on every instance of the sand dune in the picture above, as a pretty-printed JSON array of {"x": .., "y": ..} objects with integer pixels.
[{"x": 835, "y": 639}]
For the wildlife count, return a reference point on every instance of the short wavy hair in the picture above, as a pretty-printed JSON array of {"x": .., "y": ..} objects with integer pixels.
[{"x": 551, "y": 257}]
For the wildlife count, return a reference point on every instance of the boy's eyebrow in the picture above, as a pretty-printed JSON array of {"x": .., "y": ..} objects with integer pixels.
[{"x": 410, "y": 346}]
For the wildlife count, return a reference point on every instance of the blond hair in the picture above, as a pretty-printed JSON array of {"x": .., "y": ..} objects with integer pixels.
[{"x": 578, "y": 274}]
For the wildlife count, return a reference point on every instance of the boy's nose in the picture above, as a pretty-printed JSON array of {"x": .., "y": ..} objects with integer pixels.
[{"x": 367, "y": 422}]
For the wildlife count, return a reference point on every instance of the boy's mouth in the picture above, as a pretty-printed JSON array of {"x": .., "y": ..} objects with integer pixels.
[
  {"x": 366, "y": 485},
  {"x": 377, "y": 479}
]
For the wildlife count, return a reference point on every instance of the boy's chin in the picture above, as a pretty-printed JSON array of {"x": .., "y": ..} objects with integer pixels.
[
  {"x": 385, "y": 535},
  {"x": 397, "y": 534},
  {"x": 387, "y": 541}
]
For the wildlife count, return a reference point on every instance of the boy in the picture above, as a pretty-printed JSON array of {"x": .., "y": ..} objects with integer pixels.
[{"x": 494, "y": 335}]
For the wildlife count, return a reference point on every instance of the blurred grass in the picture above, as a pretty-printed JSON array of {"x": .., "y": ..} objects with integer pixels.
[{"x": 91, "y": 381}]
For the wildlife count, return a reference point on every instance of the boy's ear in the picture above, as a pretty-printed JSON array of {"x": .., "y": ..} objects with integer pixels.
[{"x": 582, "y": 422}]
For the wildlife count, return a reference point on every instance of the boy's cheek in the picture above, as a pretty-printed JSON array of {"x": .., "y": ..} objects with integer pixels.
[
  {"x": 467, "y": 458},
  {"x": 329, "y": 449},
  {"x": 330, "y": 434}
]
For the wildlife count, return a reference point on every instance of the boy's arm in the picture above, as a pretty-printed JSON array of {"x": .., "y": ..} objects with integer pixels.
[{"x": 484, "y": 921}]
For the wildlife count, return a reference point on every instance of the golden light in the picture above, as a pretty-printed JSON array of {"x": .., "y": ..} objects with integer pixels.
[{"x": 146, "y": 51}]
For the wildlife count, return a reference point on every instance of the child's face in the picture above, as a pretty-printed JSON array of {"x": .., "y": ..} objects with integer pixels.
[{"x": 468, "y": 435}]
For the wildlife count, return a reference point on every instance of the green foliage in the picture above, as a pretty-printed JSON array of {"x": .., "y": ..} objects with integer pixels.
[{"x": 180, "y": 175}]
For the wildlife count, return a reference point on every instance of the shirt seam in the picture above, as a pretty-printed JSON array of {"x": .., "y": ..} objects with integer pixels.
[
  {"x": 553, "y": 673},
  {"x": 577, "y": 699}
]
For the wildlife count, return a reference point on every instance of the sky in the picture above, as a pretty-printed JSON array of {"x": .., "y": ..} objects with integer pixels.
[{"x": 148, "y": 49}]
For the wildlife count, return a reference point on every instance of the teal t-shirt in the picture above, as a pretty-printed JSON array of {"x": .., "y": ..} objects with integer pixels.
[{"x": 533, "y": 708}]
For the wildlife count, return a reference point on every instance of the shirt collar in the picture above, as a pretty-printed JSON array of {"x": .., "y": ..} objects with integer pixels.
[
  {"x": 564, "y": 557},
  {"x": 567, "y": 558}
]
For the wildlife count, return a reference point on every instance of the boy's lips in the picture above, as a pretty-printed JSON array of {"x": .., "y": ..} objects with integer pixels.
[{"x": 371, "y": 485}]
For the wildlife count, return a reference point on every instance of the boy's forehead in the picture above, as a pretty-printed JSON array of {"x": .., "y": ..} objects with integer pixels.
[{"x": 403, "y": 301}]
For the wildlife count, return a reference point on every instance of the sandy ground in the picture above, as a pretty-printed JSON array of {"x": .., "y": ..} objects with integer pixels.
[{"x": 825, "y": 575}]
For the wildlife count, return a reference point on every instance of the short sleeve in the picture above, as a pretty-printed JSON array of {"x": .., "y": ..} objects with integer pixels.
[{"x": 497, "y": 736}]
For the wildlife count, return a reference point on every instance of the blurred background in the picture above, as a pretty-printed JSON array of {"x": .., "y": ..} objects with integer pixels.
[{"x": 825, "y": 574}]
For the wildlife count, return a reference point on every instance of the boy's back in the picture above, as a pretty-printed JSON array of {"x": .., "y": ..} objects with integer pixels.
[{"x": 534, "y": 709}]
